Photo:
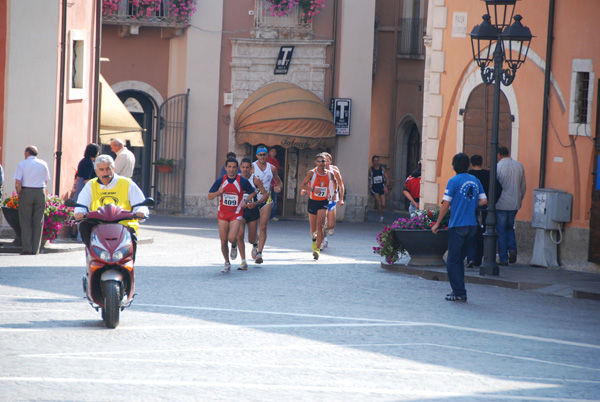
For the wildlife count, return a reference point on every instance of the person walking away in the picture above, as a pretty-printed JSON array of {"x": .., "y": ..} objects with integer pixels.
[
  {"x": 511, "y": 175},
  {"x": 272, "y": 159},
  {"x": 475, "y": 254},
  {"x": 265, "y": 172},
  {"x": 412, "y": 191},
  {"x": 230, "y": 189},
  {"x": 31, "y": 177},
  {"x": 125, "y": 161},
  {"x": 377, "y": 185},
  {"x": 320, "y": 185},
  {"x": 338, "y": 197},
  {"x": 85, "y": 169},
  {"x": 250, "y": 215},
  {"x": 464, "y": 193},
  {"x": 110, "y": 188}
]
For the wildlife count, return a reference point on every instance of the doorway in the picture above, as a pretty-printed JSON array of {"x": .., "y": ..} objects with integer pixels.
[{"x": 479, "y": 113}]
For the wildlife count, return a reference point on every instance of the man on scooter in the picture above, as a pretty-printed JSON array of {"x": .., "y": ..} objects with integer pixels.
[{"x": 110, "y": 188}]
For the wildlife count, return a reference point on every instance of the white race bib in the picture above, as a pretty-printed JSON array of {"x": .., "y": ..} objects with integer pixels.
[
  {"x": 377, "y": 179},
  {"x": 320, "y": 191},
  {"x": 231, "y": 200}
]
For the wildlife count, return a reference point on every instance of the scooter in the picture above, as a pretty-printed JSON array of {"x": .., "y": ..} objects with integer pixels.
[{"x": 109, "y": 282}]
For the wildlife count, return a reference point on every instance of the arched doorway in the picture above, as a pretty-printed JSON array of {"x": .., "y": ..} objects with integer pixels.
[
  {"x": 407, "y": 158},
  {"x": 142, "y": 108},
  {"x": 479, "y": 112}
]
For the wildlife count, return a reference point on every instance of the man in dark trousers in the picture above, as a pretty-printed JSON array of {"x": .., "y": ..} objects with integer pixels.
[
  {"x": 475, "y": 255},
  {"x": 464, "y": 193},
  {"x": 31, "y": 177}
]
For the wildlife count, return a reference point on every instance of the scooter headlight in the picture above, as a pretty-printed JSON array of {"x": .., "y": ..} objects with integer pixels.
[
  {"x": 99, "y": 249},
  {"x": 122, "y": 249}
]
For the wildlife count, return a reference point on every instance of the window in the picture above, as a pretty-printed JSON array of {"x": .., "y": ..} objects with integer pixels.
[
  {"x": 580, "y": 111},
  {"x": 77, "y": 64}
]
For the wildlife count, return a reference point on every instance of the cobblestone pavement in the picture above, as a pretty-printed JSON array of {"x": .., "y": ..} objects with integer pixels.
[{"x": 292, "y": 329}]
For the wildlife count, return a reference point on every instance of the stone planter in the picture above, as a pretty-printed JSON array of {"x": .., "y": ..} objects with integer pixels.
[
  {"x": 12, "y": 218},
  {"x": 425, "y": 247}
]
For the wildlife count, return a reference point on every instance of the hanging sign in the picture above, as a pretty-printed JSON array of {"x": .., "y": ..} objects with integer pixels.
[
  {"x": 284, "y": 59},
  {"x": 340, "y": 108}
]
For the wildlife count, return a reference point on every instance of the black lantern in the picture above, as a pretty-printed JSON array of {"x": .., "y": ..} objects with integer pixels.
[
  {"x": 501, "y": 12},
  {"x": 482, "y": 38},
  {"x": 517, "y": 38}
]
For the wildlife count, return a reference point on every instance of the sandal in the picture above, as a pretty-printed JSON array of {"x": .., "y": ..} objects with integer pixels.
[{"x": 453, "y": 297}]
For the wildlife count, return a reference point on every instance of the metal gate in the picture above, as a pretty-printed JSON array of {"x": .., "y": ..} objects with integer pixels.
[{"x": 170, "y": 154}]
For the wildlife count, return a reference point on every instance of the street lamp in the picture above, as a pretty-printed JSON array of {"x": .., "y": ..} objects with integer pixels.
[{"x": 511, "y": 44}]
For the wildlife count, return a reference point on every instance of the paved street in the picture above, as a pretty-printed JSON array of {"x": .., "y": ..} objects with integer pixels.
[{"x": 338, "y": 329}]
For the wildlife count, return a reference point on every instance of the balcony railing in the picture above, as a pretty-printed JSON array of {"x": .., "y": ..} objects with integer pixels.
[
  {"x": 292, "y": 25},
  {"x": 410, "y": 37},
  {"x": 129, "y": 14}
]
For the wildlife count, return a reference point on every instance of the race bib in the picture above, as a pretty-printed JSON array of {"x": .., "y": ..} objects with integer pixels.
[
  {"x": 245, "y": 197},
  {"x": 320, "y": 191},
  {"x": 230, "y": 200},
  {"x": 378, "y": 179}
]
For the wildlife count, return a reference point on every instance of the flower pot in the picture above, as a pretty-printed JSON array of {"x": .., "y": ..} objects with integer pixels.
[
  {"x": 425, "y": 247},
  {"x": 12, "y": 217},
  {"x": 164, "y": 168}
]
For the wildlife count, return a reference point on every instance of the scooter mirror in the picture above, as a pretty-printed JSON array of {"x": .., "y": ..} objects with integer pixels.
[
  {"x": 148, "y": 202},
  {"x": 72, "y": 204}
]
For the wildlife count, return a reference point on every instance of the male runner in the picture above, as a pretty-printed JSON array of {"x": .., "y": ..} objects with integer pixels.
[
  {"x": 338, "y": 197},
  {"x": 320, "y": 185},
  {"x": 265, "y": 173},
  {"x": 230, "y": 188},
  {"x": 377, "y": 180},
  {"x": 250, "y": 215}
]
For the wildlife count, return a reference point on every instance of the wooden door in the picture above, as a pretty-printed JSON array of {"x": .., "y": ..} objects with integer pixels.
[{"x": 479, "y": 113}]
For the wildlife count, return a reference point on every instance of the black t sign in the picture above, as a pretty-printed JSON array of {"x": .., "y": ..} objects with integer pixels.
[{"x": 284, "y": 59}]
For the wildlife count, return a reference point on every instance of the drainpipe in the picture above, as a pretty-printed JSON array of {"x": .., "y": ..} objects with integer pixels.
[
  {"x": 546, "y": 94},
  {"x": 95, "y": 93},
  {"x": 61, "y": 97},
  {"x": 334, "y": 48}
]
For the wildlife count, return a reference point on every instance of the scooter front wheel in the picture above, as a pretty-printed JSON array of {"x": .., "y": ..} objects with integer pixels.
[{"x": 111, "y": 309}]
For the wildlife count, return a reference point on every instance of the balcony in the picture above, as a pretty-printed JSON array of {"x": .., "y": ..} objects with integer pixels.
[
  {"x": 291, "y": 26},
  {"x": 410, "y": 38},
  {"x": 131, "y": 17}
]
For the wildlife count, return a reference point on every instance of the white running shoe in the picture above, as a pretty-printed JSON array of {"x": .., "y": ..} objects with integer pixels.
[
  {"x": 381, "y": 219},
  {"x": 259, "y": 259},
  {"x": 233, "y": 253},
  {"x": 243, "y": 266},
  {"x": 254, "y": 252},
  {"x": 323, "y": 244},
  {"x": 331, "y": 231},
  {"x": 226, "y": 268}
]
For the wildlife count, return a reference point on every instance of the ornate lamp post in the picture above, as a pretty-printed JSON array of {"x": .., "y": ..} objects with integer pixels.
[{"x": 511, "y": 46}]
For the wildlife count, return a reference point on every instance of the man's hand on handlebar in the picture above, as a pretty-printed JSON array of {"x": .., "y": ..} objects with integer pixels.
[{"x": 79, "y": 216}]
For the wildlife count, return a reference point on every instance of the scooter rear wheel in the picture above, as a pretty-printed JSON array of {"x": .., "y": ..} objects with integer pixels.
[{"x": 111, "y": 310}]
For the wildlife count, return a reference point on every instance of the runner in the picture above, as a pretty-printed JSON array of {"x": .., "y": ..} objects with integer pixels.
[
  {"x": 320, "y": 185},
  {"x": 265, "y": 172},
  {"x": 230, "y": 188},
  {"x": 377, "y": 181},
  {"x": 250, "y": 215},
  {"x": 338, "y": 197}
]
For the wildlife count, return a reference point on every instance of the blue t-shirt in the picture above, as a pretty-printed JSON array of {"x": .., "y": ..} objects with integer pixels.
[
  {"x": 463, "y": 192},
  {"x": 85, "y": 169}
]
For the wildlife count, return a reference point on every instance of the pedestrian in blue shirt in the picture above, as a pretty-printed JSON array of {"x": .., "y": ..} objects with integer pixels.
[{"x": 464, "y": 193}]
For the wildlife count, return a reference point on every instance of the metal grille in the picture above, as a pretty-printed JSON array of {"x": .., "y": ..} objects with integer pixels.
[
  {"x": 583, "y": 85},
  {"x": 169, "y": 187},
  {"x": 410, "y": 37},
  {"x": 128, "y": 14},
  {"x": 263, "y": 19}
]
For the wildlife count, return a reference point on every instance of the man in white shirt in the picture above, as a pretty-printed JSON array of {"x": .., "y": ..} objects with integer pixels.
[
  {"x": 511, "y": 175},
  {"x": 31, "y": 177},
  {"x": 125, "y": 161}
]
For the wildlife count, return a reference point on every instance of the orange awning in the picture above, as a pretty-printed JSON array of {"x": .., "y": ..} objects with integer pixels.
[{"x": 286, "y": 115}]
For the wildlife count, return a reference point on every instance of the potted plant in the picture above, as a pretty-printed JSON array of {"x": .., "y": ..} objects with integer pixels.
[
  {"x": 310, "y": 8},
  {"x": 164, "y": 165},
  {"x": 182, "y": 10},
  {"x": 56, "y": 214},
  {"x": 414, "y": 236}
]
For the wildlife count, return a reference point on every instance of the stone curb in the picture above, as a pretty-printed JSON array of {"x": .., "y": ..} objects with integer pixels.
[{"x": 472, "y": 276}]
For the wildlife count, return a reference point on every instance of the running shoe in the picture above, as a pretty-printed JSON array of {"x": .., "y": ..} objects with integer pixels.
[
  {"x": 226, "y": 268},
  {"x": 233, "y": 253},
  {"x": 243, "y": 266},
  {"x": 323, "y": 244},
  {"x": 330, "y": 231},
  {"x": 381, "y": 219},
  {"x": 315, "y": 250},
  {"x": 259, "y": 259},
  {"x": 254, "y": 252}
]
